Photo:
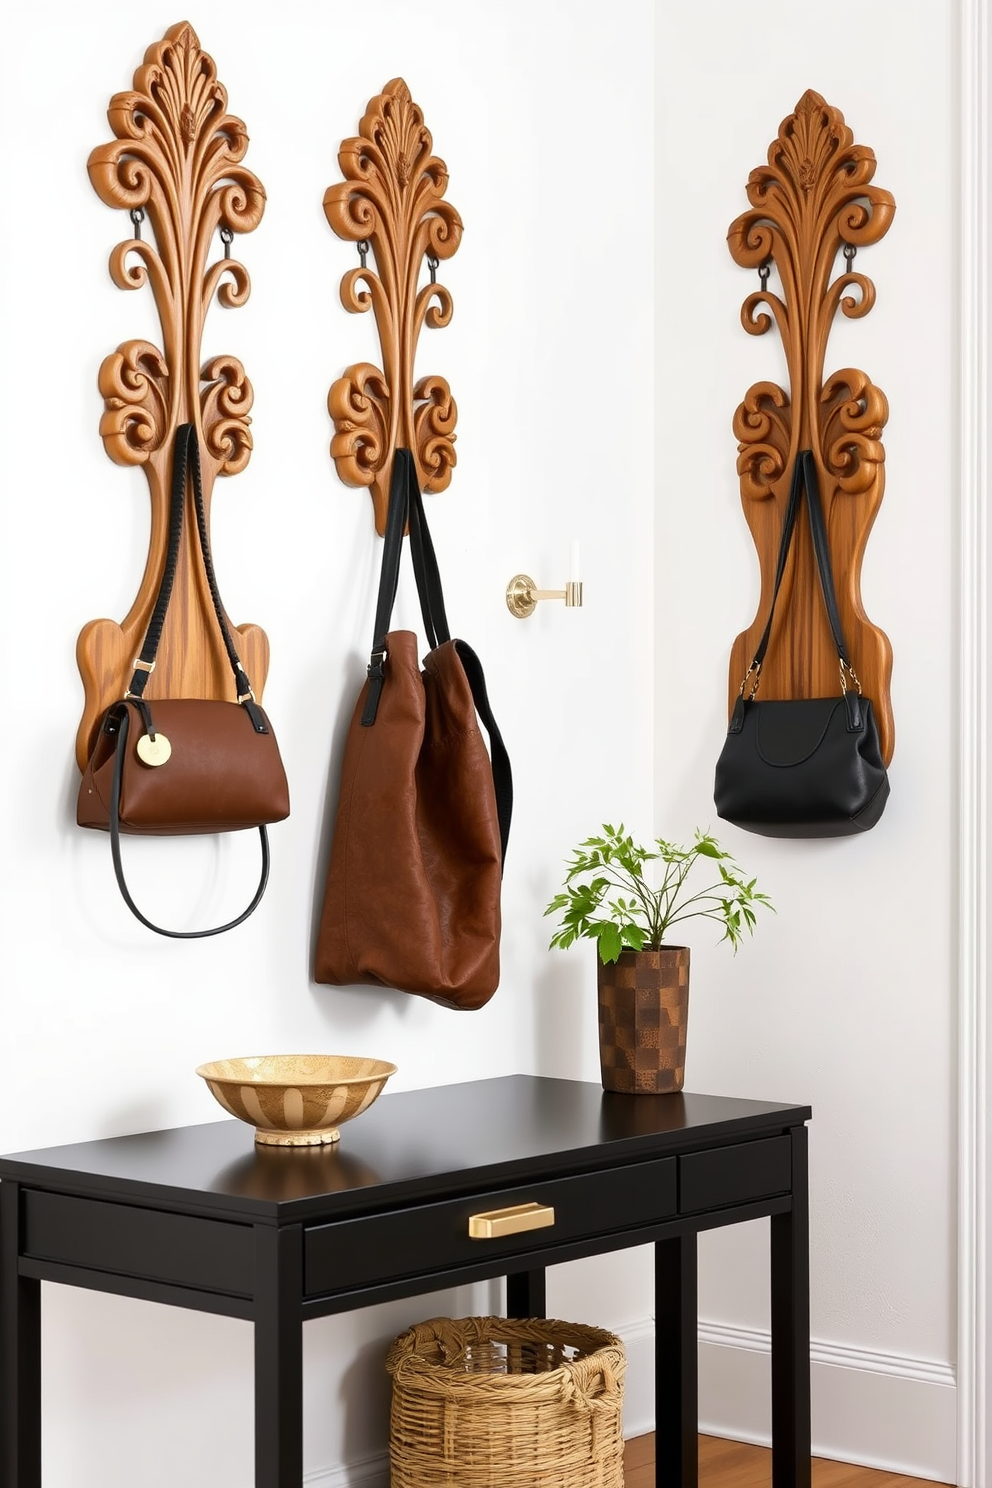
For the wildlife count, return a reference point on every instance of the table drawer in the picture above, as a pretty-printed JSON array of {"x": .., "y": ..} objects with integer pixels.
[
  {"x": 430, "y": 1237},
  {"x": 180, "y": 1249},
  {"x": 733, "y": 1175}
]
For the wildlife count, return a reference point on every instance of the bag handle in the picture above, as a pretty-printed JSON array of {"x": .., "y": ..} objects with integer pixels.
[
  {"x": 186, "y": 461},
  {"x": 425, "y": 569},
  {"x": 498, "y": 756},
  {"x": 115, "y": 848},
  {"x": 406, "y": 506},
  {"x": 804, "y": 477},
  {"x": 428, "y": 577}
]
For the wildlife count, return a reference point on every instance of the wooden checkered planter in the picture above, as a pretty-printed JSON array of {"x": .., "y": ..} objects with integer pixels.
[
  {"x": 506, "y": 1403},
  {"x": 643, "y": 1018}
]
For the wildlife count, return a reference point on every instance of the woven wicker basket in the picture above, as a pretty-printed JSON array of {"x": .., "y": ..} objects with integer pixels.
[{"x": 506, "y": 1403}]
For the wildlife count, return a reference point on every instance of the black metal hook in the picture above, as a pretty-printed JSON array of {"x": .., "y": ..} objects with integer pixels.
[
  {"x": 227, "y": 238},
  {"x": 764, "y": 269},
  {"x": 432, "y": 263},
  {"x": 364, "y": 247},
  {"x": 849, "y": 251},
  {"x": 137, "y": 217}
]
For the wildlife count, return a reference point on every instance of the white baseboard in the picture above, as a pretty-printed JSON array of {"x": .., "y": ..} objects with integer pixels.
[
  {"x": 364, "y": 1472},
  {"x": 875, "y": 1409},
  {"x": 871, "y": 1408},
  {"x": 638, "y": 1387}
]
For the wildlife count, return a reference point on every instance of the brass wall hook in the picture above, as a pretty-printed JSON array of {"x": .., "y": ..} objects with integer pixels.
[{"x": 523, "y": 595}]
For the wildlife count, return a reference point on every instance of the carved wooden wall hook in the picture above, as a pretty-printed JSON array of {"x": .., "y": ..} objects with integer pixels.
[
  {"x": 812, "y": 200},
  {"x": 175, "y": 165},
  {"x": 391, "y": 203}
]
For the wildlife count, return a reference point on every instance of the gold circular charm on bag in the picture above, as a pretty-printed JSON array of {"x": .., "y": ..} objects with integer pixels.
[{"x": 153, "y": 751}]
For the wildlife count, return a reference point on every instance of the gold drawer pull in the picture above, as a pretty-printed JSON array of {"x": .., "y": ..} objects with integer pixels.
[{"x": 499, "y": 1222}]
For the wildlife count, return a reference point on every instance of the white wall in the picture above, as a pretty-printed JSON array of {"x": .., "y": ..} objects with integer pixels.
[
  {"x": 543, "y": 113},
  {"x": 845, "y": 1000}
]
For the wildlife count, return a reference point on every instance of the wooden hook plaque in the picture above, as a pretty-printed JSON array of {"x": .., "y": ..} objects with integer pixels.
[
  {"x": 391, "y": 203},
  {"x": 175, "y": 165},
  {"x": 813, "y": 200}
]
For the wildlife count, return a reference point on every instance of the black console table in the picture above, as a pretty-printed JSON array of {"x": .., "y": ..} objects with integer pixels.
[{"x": 200, "y": 1217}]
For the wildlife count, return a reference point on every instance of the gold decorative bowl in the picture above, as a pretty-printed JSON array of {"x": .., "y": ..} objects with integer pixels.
[{"x": 296, "y": 1100}]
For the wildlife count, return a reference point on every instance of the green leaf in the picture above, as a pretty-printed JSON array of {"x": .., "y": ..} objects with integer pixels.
[{"x": 610, "y": 942}]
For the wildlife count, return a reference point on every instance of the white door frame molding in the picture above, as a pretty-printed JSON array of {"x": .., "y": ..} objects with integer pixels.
[{"x": 974, "y": 1363}]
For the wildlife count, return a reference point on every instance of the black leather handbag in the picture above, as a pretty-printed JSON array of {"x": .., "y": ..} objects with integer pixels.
[{"x": 803, "y": 767}]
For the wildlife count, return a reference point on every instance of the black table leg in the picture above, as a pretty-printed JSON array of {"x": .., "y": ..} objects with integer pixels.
[
  {"x": 527, "y": 1294},
  {"x": 279, "y": 1357},
  {"x": 676, "y": 1363},
  {"x": 790, "y": 1329},
  {"x": 20, "y": 1355}
]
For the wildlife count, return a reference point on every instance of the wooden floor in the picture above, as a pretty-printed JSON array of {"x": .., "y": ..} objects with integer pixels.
[{"x": 729, "y": 1464}]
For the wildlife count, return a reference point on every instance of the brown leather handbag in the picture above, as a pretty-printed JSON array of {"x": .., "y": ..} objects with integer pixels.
[
  {"x": 412, "y": 899},
  {"x": 179, "y": 766}
]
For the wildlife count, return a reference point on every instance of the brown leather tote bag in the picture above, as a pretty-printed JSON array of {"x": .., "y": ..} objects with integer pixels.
[
  {"x": 412, "y": 899},
  {"x": 180, "y": 766}
]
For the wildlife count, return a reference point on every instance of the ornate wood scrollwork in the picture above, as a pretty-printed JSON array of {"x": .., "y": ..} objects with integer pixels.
[
  {"x": 391, "y": 203},
  {"x": 812, "y": 200},
  {"x": 175, "y": 165}
]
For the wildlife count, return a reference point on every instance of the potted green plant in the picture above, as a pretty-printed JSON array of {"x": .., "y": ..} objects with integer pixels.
[{"x": 643, "y": 982}]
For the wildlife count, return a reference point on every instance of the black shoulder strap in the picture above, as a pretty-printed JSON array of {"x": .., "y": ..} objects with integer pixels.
[
  {"x": 821, "y": 547},
  {"x": 115, "y": 848},
  {"x": 500, "y": 760},
  {"x": 406, "y": 506},
  {"x": 425, "y": 570},
  {"x": 804, "y": 476},
  {"x": 389, "y": 578},
  {"x": 145, "y": 663},
  {"x": 186, "y": 462}
]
